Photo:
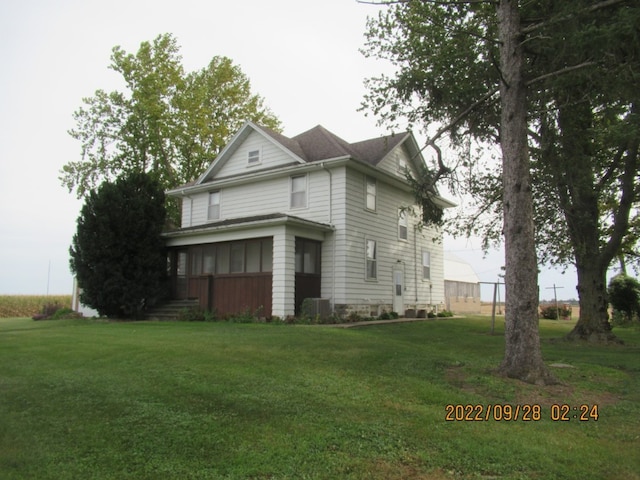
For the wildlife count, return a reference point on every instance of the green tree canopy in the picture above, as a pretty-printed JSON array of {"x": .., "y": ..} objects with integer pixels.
[
  {"x": 581, "y": 72},
  {"x": 624, "y": 294},
  {"x": 167, "y": 121},
  {"x": 117, "y": 253}
]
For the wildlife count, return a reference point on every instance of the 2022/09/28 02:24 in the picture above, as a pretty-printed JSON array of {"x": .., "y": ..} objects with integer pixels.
[{"x": 519, "y": 412}]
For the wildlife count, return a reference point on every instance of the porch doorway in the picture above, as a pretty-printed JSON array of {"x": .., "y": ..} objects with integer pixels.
[{"x": 308, "y": 277}]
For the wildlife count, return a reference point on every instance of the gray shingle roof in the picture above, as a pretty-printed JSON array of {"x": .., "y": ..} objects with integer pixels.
[{"x": 319, "y": 143}]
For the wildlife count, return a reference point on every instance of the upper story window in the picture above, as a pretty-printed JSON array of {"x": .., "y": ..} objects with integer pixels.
[
  {"x": 299, "y": 191},
  {"x": 254, "y": 157},
  {"x": 371, "y": 193},
  {"x": 372, "y": 260},
  {"x": 213, "y": 211},
  {"x": 426, "y": 265},
  {"x": 403, "y": 225},
  {"x": 402, "y": 166}
]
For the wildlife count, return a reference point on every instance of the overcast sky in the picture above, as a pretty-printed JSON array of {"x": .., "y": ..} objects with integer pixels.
[{"x": 301, "y": 56}]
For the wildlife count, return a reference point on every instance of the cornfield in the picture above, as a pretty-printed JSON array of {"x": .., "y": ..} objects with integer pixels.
[{"x": 29, "y": 305}]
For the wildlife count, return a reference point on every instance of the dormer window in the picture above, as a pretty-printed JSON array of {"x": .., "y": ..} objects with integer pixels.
[{"x": 254, "y": 157}]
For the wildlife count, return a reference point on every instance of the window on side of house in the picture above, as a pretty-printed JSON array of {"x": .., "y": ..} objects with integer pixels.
[
  {"x": 403, "y": 225},
  {"x": 372, "y": 260},
  {"x": 299, "y": 191},
  {"x": 402, "y": 166},
  {"x": 426, "y": 265},
  {"x": 254, "y": 157},
  {"x": 371, "y": 193},
  {"x": 213, "y": 211}
]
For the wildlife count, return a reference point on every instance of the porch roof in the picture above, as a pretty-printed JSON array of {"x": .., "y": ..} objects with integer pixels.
[{"x": 248, "y": 222}]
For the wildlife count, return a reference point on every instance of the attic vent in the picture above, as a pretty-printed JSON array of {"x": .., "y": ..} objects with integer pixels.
[{"x": 253, "y": 157}]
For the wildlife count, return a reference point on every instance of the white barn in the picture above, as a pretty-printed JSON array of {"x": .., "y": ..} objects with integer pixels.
[{"x": 461, "y": 285}]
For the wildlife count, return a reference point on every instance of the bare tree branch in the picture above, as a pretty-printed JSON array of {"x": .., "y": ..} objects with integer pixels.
[
  {"x": 562, "y": 71},
  {"x": 552, "y": 21}
]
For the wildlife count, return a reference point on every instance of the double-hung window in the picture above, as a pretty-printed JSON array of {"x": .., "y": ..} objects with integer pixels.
[
  {"x": 213, "y": 212},
  {"x": 426, "y": 265},
  {"x": 403, "y": 225},
  {"x": 371, "y": 193},
  {"x": 372, "y": 260},
  {"x": 299, "y": 191}
]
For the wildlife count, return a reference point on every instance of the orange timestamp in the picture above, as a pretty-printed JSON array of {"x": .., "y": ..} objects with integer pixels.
[{"x": 518, "y": 412}]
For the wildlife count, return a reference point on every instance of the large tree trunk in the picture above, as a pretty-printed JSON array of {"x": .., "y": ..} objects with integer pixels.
[
  {"x": 523, "y": 357},
  {"x": 579, "y": 200},
  {"x": 593, "y": 324}
]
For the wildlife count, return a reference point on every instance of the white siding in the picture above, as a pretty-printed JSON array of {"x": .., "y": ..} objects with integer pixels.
[
  {"x": 390, "y": 163},
  {"x": 283, "y": 286},
  {"x": 356, "y": 224},
  {"x": 265, "y": 197},
  {"x": 187, "y": 205},
  {"x": 270, "y": 156}
]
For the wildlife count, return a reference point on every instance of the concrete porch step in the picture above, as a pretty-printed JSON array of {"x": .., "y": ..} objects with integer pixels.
[{"x": 172, "y": 309}]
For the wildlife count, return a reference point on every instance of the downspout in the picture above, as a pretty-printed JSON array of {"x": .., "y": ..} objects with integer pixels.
[
  {"x": 415, "y": 262},
  {"x": 333, "y": 266}
]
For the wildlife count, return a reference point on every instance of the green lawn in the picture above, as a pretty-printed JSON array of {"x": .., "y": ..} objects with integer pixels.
[{"x": 85, "y": 399}]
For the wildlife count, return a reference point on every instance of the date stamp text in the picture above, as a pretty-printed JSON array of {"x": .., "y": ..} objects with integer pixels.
[{"x": 500, "y": 412}]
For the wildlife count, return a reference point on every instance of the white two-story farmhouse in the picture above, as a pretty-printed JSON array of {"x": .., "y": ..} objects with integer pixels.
[{"x": 276, "y": 220}]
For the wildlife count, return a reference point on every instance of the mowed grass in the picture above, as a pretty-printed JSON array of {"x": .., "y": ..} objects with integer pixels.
[{"x": 88, "y": 399}]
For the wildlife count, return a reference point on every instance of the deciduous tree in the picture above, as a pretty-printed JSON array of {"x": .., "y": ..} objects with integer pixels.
[
  {"x": 166, "y": 121},
  {"x": 581, "y": 65}
]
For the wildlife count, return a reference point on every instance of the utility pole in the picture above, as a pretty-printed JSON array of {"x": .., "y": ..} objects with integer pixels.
[
  {"x": 48, "y": 277},
  {"x": 555, "y": 296}
]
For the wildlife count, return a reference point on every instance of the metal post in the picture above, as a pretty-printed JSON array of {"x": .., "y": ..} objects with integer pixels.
[{"x": 493, "y": 310}]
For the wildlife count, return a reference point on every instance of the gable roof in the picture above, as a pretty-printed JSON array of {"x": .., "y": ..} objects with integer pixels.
[
  {"x": 320, "y": 144},
  {"x": 458, "y": 270},
  {"x": 313, "y": 145}
]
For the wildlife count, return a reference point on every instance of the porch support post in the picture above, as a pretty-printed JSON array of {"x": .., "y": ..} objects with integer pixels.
[{"x": 283, "y": 286}]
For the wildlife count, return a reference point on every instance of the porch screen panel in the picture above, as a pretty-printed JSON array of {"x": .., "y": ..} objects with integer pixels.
[
  {"x": 237, "y": 257},
  {"x": 311, "y": 258},
  {"x": 209, "y": 259},
  {"x": 196, "y": 261},
  {"x": 253, "y": 257},
  {"x": 223, "y": 253},
  {"x": 307, "y": 257}
]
